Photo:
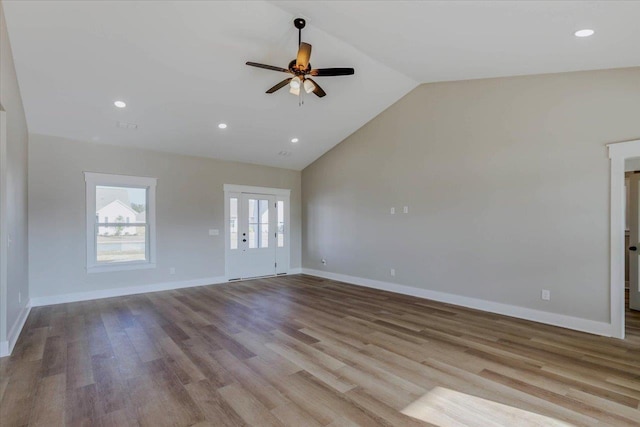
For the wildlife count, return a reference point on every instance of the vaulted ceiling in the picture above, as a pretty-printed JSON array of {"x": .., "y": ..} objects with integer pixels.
[{"x": 179, "y": 66}]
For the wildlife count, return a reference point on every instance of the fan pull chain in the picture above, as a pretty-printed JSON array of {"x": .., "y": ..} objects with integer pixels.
[{"x": 301, "y": 94}]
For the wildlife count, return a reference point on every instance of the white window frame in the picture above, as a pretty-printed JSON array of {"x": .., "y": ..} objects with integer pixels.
[{"x": 93, "y": 180}]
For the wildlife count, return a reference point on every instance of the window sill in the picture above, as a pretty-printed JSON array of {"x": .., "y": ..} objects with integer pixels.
[{"x": 120, "y": 267}]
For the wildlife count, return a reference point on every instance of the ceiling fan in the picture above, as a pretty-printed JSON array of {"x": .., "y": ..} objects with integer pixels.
[{"x": 300, "y": 69}]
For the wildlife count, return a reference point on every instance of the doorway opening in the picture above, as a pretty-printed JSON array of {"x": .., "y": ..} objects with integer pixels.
[
  {"x": 625, "y": 237},
  {"x": 256, "y": 231},
  {"x": 632, "y": 246}
]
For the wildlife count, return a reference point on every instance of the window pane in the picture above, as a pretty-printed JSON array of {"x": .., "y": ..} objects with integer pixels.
[
  {"x": 280, "y": 224},
  {"x": 121, "y": 243},
  {"x": 258, "y": 216},
  {"x": 233, "y": 219},
  {"x": 121, "y": 204},
  {"x": 264, "y": 223},
  {"x": 121, "y": 226}
]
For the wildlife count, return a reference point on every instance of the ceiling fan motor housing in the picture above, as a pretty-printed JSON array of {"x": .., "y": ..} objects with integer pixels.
[{"x": 295, "y": 70}]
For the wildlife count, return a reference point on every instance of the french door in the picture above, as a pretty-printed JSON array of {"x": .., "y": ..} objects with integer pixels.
[
  {"x": 255, "y": 235},
  {"x": 634, "y": 242}
]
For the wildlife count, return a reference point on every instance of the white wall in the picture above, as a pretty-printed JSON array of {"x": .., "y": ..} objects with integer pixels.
[
  {"x": 507, "y": 183},
  {"x": 190, "y": 201},
  {"x": 13, "y": 192}
]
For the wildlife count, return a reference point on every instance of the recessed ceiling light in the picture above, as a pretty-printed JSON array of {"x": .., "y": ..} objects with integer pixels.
[
  {"x": 222, "y": 125},
  {"x": 584, "y": 33},
  {"x": 294, "y": 140},
  {"x": 120, "y": 104}
]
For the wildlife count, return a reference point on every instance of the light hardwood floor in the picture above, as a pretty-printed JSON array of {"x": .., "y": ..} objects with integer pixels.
[{"x": 302, "y": 351}]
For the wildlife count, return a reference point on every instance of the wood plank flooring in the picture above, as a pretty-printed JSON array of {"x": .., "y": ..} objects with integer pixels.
[{"x": 303, "y": 351}]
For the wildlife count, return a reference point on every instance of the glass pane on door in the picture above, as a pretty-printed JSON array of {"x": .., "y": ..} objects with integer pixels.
[
  {"x": 252, "y": 212},
  {"x": 258, "y": 216},
  {"x": 264, "y": 223}
]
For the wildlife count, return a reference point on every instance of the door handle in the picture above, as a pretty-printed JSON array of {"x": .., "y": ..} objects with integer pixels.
[
  {"x": 244, "y": 240},
  {"x": 633, "y": 248}
]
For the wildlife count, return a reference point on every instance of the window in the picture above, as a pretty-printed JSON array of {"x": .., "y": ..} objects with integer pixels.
[
  {"x": 120, "y": 222},
  {"x": 280, "y": 223},
  {"x": 233, "y": 222}
]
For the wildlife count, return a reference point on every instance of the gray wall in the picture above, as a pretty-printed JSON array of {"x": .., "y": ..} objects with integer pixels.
[
  {"x": 15, "y": 195},
  {"x": 507, "y": 183},
  {"x": 189, "y": 201}
]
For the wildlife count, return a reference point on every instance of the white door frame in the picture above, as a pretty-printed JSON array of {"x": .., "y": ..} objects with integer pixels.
[
  {"x": 3, "y": 235},
  {"x": 280, "y": 194},
  {"x": 618, "y": 153}
]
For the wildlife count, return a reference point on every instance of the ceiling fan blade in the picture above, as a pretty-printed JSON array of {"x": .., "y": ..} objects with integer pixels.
[
  {"x": 304, "y": 53},
  {"x": 280, "y": 85},
  {"x": 317, "y": 90},
  {"x": 268, "y": 67},
  {"x": 326, "y": 72}
]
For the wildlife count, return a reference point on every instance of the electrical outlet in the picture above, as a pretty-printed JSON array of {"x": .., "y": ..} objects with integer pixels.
[
  {"x": 214, "y": 232},
  {"x": 393, "y": 211},
  {"x": 393, "y": 272},
  {"x": 172, "y": 270},
  {"x": 405, "y": 209},
  {"x": 546, "y": 295},
  {"x": 324, "y": 261}
]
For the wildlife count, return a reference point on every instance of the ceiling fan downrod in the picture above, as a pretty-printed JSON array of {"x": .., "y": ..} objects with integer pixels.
[{"x": 299, "y": 23}]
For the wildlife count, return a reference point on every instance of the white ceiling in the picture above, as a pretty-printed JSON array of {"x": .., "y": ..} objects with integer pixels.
[
  {"x": 459, "y": 40},
  {"x": 180, "y": 65}
]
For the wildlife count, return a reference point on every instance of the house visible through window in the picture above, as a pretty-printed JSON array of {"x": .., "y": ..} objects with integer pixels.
[{"x": 120, "y": 227}]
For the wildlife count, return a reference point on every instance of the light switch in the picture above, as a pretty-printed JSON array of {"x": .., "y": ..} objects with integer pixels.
[
  {"x": 405, "y": 209},
  {"x": 393, "y": 211},
  {"x": 213, "y": 232}
]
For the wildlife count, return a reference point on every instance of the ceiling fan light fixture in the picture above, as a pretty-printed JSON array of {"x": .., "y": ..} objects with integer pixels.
[
  {"x": 295, "y": 83},
  {"x": 295, "y": 91},
  {"x": 309, "y": 86}
]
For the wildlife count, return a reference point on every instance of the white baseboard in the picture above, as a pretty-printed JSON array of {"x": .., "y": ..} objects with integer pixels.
[
  {"x": 131, "y": 290},
  {"x": 118, "y": 292},
  {"x": 569, "y": 322},
  {"x": 6, "y": 347}
]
